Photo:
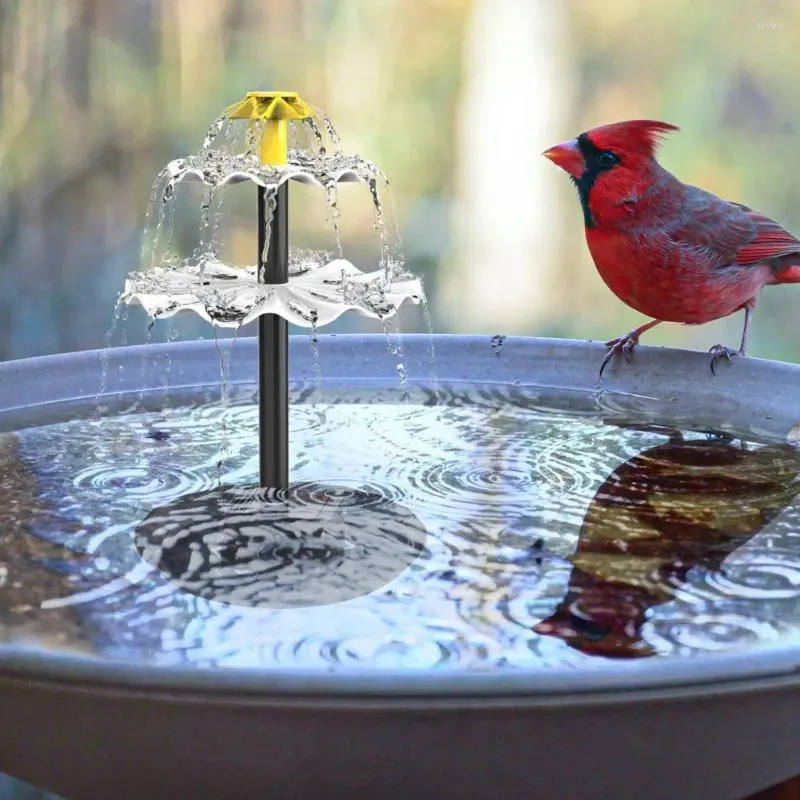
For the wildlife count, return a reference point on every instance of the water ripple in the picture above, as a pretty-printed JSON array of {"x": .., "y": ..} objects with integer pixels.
[{"x": 542, "y": 537}]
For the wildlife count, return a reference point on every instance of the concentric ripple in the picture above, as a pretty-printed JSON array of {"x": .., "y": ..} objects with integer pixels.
[
  {"x": 140, "y": 483},
  {"x": 455, "y": 489},
  {"x": 312, "y": 545},
  {"x": 398, "y": 651},
  {"x": 716, "y": 632},
  {"x": 771, "y": 576},
  {"x": 482, "y": 531}
]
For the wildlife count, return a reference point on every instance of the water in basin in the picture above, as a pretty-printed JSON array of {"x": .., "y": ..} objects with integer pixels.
[{"x": 474, "y": 530}]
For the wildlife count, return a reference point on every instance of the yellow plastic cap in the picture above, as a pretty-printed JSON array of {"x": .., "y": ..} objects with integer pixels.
[
  {"x": 275, "y": 110},
  {"x": 271, "y": 106}
]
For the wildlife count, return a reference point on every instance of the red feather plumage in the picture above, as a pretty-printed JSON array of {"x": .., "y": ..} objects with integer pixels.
[{"x": 673, "y": 252}]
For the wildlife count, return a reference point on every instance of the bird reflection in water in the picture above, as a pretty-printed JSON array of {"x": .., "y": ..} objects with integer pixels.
[{"x": 682, "y": 505}]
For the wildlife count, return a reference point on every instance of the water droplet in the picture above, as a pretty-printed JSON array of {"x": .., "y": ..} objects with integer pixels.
[{"x": 497, "y": 342}]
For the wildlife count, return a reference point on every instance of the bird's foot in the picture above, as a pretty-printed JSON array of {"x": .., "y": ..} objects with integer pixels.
[
  {"x": 623, "y": 345},
  {"x": 719, "y": 352}
]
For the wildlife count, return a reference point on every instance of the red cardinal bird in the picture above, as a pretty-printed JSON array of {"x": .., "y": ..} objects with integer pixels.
[{"x": 673, "y": 252}]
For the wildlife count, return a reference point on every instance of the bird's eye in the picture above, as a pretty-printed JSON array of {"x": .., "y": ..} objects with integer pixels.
[{"x": 606, "y": 159}]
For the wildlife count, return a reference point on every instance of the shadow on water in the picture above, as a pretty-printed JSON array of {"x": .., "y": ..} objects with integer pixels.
[
  {"x": 673, "y": 508},
  {"x": 306, "y": 546},
  {"x": 33, "y": 569}
]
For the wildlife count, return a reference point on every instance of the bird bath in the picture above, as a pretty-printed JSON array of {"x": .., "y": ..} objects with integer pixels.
[{"x": 490, "y": 575}]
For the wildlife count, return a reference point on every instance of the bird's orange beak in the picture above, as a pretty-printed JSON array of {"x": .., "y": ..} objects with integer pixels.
[{"x": 568, "y": 157}]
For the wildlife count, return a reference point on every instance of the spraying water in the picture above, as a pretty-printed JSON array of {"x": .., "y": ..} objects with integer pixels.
[{"x": 320, "y": 288}]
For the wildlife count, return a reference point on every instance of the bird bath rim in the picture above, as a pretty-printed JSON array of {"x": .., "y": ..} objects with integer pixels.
[{"x": 658, "y": 378}]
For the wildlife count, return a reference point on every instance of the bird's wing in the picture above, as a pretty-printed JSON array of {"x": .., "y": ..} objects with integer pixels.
[
  {"x": 730, "y": 232},
  {"x": 709, "y": 224},
  {"x": 771, "y": 242}
]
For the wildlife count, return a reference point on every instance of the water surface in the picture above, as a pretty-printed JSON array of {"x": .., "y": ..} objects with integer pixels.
[{"x": 533, "y": 537}]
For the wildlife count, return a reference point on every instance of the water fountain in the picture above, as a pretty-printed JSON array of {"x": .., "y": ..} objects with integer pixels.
[
  {"x": 312, "y": 295},
  {"x": 519, "y": 580}
]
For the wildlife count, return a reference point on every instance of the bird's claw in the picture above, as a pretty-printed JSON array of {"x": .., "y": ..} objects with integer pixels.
[
  {"x": 718, "y": 352},
  {"x": 621, "y": 345}
]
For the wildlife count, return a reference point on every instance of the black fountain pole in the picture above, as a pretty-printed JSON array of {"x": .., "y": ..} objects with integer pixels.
[
  {"x": 273, "y": 110},
  {"x": 273, "y": 347}
]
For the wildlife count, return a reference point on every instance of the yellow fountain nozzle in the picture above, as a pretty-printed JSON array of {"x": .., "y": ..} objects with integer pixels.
[
  {"x": 271, "y": 105},
  {"x": 275, "y": 110}
]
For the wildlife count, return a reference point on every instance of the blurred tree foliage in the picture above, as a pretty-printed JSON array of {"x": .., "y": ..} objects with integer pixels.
[
  {"x": 723, "y": 73},
  {"x": 95, "y": 97}
]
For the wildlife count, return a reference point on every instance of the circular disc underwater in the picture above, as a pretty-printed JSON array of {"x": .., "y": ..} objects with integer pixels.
[{"x": 309, "y": 545}]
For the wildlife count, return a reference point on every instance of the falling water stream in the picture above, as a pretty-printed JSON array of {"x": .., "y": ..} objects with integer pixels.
[{"x": 321, "y": 286}]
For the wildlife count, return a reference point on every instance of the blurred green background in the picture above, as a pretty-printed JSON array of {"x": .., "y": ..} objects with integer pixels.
[{"x": 454, "y": 99}]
